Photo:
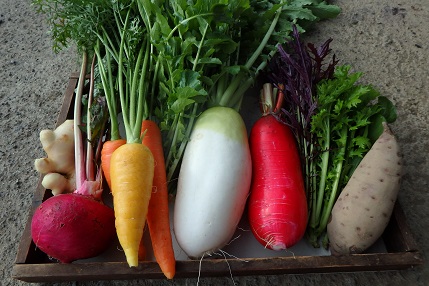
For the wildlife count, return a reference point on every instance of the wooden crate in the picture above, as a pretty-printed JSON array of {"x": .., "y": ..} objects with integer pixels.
[{"x": 399, "y": 251}]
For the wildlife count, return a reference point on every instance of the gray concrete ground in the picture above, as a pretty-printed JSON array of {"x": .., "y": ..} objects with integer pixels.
[{"x": 387, "y": 40}]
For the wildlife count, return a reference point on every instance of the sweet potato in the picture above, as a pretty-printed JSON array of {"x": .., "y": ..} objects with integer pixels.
[{"x": 363, "y": 209}]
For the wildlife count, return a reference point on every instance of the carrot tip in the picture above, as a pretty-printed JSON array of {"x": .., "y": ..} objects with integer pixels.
[
  {"x": 132, "y": 258},
  {"x": 169, "y": 275}
]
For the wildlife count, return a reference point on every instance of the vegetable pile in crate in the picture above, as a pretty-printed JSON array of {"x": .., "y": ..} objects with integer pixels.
[
  {"x": 396, "y": 250},
  {"x": 162, "y": 118}
]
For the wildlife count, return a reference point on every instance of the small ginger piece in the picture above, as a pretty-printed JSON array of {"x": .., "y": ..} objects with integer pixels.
[
  {"x": 58, "y": 167},
  {"x": 58, "y": 183}
]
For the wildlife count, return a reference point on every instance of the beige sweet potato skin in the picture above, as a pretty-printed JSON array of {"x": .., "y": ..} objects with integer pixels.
[{"x": 364, "y": 207}]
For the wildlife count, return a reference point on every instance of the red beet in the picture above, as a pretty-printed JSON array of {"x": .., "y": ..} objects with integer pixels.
[{"x": 69, "y": 227}]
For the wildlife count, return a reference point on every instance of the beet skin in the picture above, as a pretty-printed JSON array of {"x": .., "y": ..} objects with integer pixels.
[{"x": 69, "y": 227}]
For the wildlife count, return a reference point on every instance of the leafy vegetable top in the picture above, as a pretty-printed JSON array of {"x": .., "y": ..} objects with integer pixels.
[
  {"x": 210, "y": 52},
  {"x": 202, "y": 53}
]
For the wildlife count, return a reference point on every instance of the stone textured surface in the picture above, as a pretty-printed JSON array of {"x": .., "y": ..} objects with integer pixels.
[{"x": 386, "y": 40}]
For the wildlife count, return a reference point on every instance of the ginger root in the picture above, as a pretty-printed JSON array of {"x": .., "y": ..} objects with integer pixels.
[{"x": 59, "y": 166}]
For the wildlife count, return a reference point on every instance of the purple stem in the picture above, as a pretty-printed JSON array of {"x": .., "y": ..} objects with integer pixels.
[{"x": 85, "y": 175}]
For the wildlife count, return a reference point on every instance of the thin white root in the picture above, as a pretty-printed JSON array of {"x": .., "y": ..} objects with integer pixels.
[
  {"x": 232, "y": 240},
  {"x": 229, "y": 266},
  {"x": 199, "y": 269}
]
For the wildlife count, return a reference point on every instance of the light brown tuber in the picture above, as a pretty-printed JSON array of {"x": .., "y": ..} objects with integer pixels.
[
  {"x": 59, "y": 165},
  {"x": 364, "y": 207}
]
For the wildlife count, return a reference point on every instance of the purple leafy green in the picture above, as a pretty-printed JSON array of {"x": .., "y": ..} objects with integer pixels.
[{"x": 296, "y": 70}]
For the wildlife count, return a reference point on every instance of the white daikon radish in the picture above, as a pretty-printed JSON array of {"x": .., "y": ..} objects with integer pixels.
[{"x": 214, "y": 182}]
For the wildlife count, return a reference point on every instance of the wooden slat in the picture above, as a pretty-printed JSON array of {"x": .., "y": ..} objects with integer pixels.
[
  {"x": 397, "y": 235},
  {"x": 409, "y": 242},
  {"x": 67, "y": 105},
  {"x": 216, "y": 267}
]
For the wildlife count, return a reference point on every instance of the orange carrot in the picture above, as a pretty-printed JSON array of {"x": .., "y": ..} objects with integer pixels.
[
  {"x": 131, "y": 169},
  {"x": 106, "y": 154},
  {"x": 158, "y": 213}
]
